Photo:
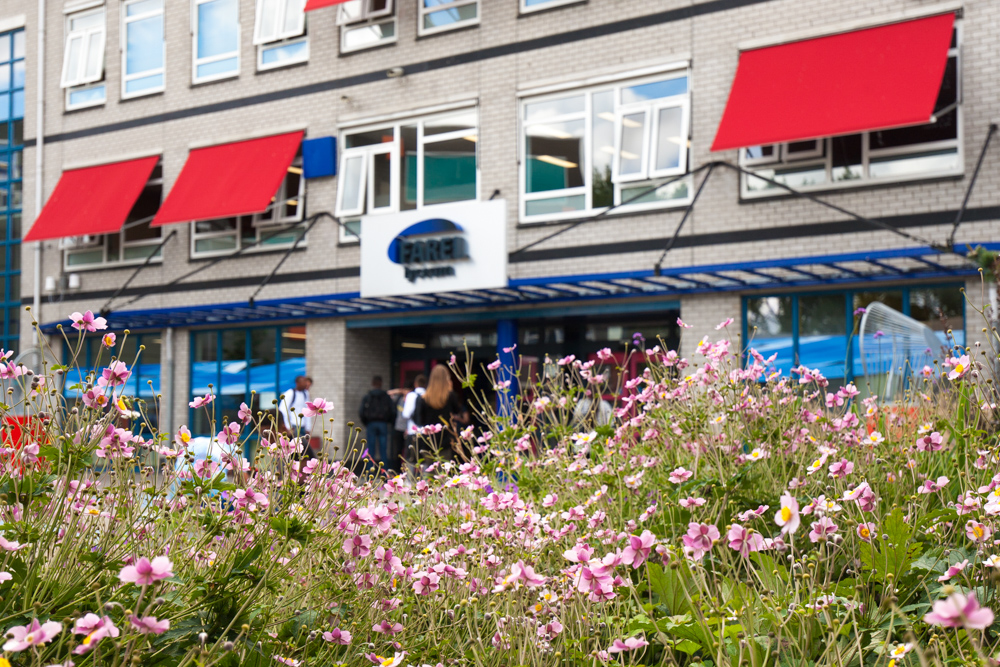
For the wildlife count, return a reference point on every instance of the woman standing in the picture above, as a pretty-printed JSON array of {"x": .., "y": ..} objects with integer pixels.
[{"x": 440, "y": 405}]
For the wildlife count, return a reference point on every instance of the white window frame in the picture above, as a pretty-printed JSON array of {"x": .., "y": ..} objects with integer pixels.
[
  {"x": 125, "y": 20},
  {"x": 196, "y": 62},
  {"x": 654, "y": 141},
  {"x": 80, "y": 78},
  {"x": 454, "y": 4},
  {"x": 107, "y": 261},
  {"x": 619, "y": 183},
  {"x": 281, "y": 39},
  {"x": 86, "y": 105},
  {"x": 367, "y": 153},
  {"x": 369, "y": 17},
  {"x": 823, "y": 155},
  {"x": 549, "y": 4},
  {"x": 279, "y": 34},
  {"x": 261, "y": 225}
]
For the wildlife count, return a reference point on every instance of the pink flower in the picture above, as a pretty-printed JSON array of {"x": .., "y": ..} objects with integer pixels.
[
  {"x": 977, "y": 532},
  {"x": 841, "y": 468},
  {"x": 147, "y": 572},
  {"x": 699, "y": 539},
  {"x": 933, "y": 486},
  {"x": 108, "y": 340},
  {"x": 425, "y": 583},
  {"x": 604, "y": 354},
  {"x": 148, "y": 625},
  {"x": 638, "y": 548},
  {"x": 953, "y": 570},
  {"x": 690, "y": 502},
  {"x": 205, "y": 469},
  {"x": 201, "y": 401},
  {"x": 788, "y": 516},
  {"x": 245, "y": 414},
  {"x": 681, "y": 324},
  {"x": 960, "y": 366},
  {"x": 34, "y": 634},
  {"x": 337, "y": 636},
  {"x": 526, "y": 574},
  {"x": 823, "y": 529},
  {"x": 8, "y": 545},
  {"x": 114, "y": 375},
  {"x": 744, "y": 540},
  {"x": 866, "y": 530},
  {"x": 317, "y": 407},
  {"x": 182, "y": 437},
  {"x": 358, "y": 546},
  {"x": 87, "y": 322},
  {"x": 94, "y": 398},
  {"x": 932, "y": 442},
  {"x": 958, "y": 611},
  {"x": 94, "y": 628},
  {"x": 680, "y": 475},
  {"x": 863, "y": 495},
  {"x": 725, "y": 323},
  {"x": 385, "y": 627},
  {"x": 629, "y": 644}
]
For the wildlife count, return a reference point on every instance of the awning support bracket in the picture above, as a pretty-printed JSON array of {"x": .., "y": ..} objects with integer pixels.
[
  {"x": 972, "y": 184},
  {"x": 106, "y": 308},
  {"x": 288, "y": 253}
]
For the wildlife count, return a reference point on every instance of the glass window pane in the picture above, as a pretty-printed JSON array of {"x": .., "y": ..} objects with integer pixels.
[
  {"x": 555, "y": 205},
  {"x": 463, "y": 121},
  {"x": 449, "y": 171},
  {"x": 368, "y": 35},
  {"x": 769, "y": 328},
  {"x": 221, "y": 244},
  {"x": 553, "y": 108},
  {"x": 555, "y": 155},
  {"x": 5, "y": 106},
  {"x": 5, "y": 51},
  {"x": 285, "y": 53},
  {"x": 89, "y": 95},
  {"x": 144, "y": 83},
  {"x": 795, "y": 177},
  {"x": 144, "y": 47},
  {"x": 654, "y": 90},
  {"x": 218, "y": 68},
  {"x": 18, "y": 44},
  {"x": 369, "y": 138},
  {"x": 267, "y": 28},
  {"x": 846, "y": 152},
  {"x": 680, "y": 189},
  {"x": 218, "y": 27},
  {"x": 17, "y": 104},
  {"x": 632, "y": 136},
  {"x": 603, "y": 148},
  {"x": 761, "y": 152},
  {"x": 95, "y": 57},
  {"x": 381, "y": 184},
  {"x": 445, "y": 17},
  {"x": 263, "y": 369},
  {"x": 823, "y": 333},
  {"x": 408, "y": 179},
  {"x": 940, "y": 308},
  {"x": 5, "y": 72},
  {"x": 352, "y": 192},
  {"x": 669, "y": 141},
  {"x": 293, "y": 16},
  {"x": 144, "y": 6},
  {"x": 928, "y": 162}
]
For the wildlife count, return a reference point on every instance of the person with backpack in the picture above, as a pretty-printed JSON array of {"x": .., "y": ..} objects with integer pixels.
[{"x": 377, "y": 412}]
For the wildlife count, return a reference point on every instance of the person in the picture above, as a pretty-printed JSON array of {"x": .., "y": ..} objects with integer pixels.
[
  {"x": 398, "y": 435},
  {"x": 377, "y": 412},
  {"x": 601, "y": 414},
  {"x": 441, "y": 405},
  {"x": 409, "y": 407},
  {"x": 290, "y": 408}
]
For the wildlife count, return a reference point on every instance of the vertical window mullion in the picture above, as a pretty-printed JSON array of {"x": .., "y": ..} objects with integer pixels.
[
  {"x": 795, "y": 330},
  {"x": 588, "y": 144},
  {"x": 420, "y": 164}
]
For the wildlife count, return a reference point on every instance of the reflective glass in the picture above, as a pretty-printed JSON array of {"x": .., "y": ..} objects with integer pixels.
[
  {"x": 632, "y": 137},
  {"x": 654, "y": 90},
  {"x": 823, "y": 333},
  {"x": 769, "y": 328},
  {"x": 602, "y": 129},
  {"x": 555, "y": 156},
  {"x": 285, "y": 53},
  {"x": 449, "y": 171},
  {"x": 218, "y": 28},
  {"x": 85, "y": 96},
  {"x": 368, "y": 35},
  {"x": 669, "y": 141},
  {"x": 144, "y": 47},
  {"x": 446, "y": 17},
  {"x": 556, "y": 107},
  {"x": 352, "y": 174},
  {"x": 555, "y": 205}
]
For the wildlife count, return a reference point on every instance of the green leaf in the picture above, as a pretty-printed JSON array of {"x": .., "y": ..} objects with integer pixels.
[{"x": 669, "y": 587}]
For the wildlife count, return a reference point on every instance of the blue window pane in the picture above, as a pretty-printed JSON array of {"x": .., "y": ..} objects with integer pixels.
[
  {"x": 145, "y": 83},
  {"x": 5, "y": 43},
  {"x": 144, "y": 7},
  {"x": 446, "y": 17},
  {"x": 654, "y": 90},
  {"x": 769, "y": 329},
  {"x": 144, "y": 45},
  {"x": 822, "y": 334},
  {"x": 218, "y": 68},
  {"x": 5, "y": 77},
  {"x": 19, "y": 44},
  {"x": 4, "y": 107},
  {"x": 95, "y": 95},
  {"x": 218, "y": 26},
  {"x": 17, "y": 106},
  {"x": 19, "y": 74},
  {"x": 283, "y": 53}
]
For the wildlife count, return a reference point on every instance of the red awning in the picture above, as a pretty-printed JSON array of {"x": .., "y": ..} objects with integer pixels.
[
  {"x": 317, "y": 4},
  {"x": 92, "y": 200},
  {"x": 229, "y": 179},
  {"x": 869, "y": 79}
]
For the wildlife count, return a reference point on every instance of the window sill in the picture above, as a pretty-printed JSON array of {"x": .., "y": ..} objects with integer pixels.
[
  {"x": 215, "y": 79},
  {"x": 251, "y": 252},
  {"x": 366, "y": 49},
  {"x": 575, "y": 216},
  {"x": 525, "y": 12},
  {"x": 143, "y": 94},
  {"x": 84, "y": 107},
  {"x": 851, "y": 186},
  {"x": 271, "y": 68},
  {"x": 104, "y": 266},
  {"x": 434, "y": 32}
]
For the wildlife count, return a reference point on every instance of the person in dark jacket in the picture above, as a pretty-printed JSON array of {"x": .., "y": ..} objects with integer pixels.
[
  {"x": 377, "y": 412},
  {"x": 440, "y": 405}
]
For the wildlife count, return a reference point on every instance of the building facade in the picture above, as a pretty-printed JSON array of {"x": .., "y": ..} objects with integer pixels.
[{"x": 538, "y": 172}]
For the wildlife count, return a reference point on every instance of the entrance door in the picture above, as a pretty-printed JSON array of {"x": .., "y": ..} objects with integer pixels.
[{"x": 408, "y": 371}]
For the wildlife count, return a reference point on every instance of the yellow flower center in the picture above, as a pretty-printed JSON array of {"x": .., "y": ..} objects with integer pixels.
[
  {"x": 899, "y": 650},
  {"x": 865, "y": 532},
  {"x": 30, "y": 638},
  {"x": 977, "y": 531},
  {"x": 185, "y": 437},
  {"x": 786, "y": 514},
  {"x": 959, "y": 368},
  {"x": 89, "y": 638}
]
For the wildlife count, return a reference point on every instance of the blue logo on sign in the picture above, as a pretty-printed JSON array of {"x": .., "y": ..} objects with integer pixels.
[{"x": 405, "y": 249}]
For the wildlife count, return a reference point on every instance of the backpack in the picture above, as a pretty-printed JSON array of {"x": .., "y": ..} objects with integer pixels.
[{"x": 377, "y": 407}]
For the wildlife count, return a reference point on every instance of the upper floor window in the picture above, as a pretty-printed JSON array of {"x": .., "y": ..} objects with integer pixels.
[
  {"x": 880, "y": 156},
  {"x": 366, "y": 23},
  {"x": 133, "y": 244},
  {"x": 407, "y": 165},
  {"x": 440, "y": 15},
  {"x": 279, "y": 33},
  {"x": 83, "y": 60},
  {"x": 271, "y": 229},
  {"x": 537, "y": 5},
  {"x": 586, "y": 150},
  {"x": 216, "y": 40},
  {"x": 143, "y": 47}
]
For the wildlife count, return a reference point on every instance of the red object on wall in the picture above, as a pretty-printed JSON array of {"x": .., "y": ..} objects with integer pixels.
[
  {"x": 317, "y": 4},
  {"x": 21, "y": 430},
  {"x": 871, "y": 79}
]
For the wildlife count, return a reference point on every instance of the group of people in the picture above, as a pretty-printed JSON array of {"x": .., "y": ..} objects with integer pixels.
[{"x": 394, "y": 418}]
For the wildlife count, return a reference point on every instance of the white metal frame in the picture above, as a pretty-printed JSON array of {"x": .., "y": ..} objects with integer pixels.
[
  {"x": 823, "y": 157},
  {"x": 197, "y": 62},
  {"x": 368, "y": 18},
  {"x": 454, "y": 4},
  {"x": 263, "y": 48},
  {"x": 283, "y": 7},
  {"x": 548, "y": 4},
  {"x": 86, "y": 105},
  {"x": 654, "y": 142},
  {"x": 616, "y": 86},
  {"x": 391, "y": 148},
  {"x": 80, "y": 78},
  {"x": 126, "y": 78},
  {"x": 367, "y": 12}
]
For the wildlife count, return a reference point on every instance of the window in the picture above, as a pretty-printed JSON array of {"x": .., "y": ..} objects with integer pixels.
[
  {"x": 263, "y": 231},
  {"x": 538, "y": 5},
  {"x": 407, "y": 165},
  {"x": 366, "y": 23},
  {"x": 12, "y": 48},
  {"x": 143, "y": 47},
  {"x": 440, "y": 15},
  {"x": 586, "y": 150},
  {"x": 253, "y": 366},
  {"x": 279, "y": 33},
  {"x": 216, "y": 40},
  {"x": 882, "y": 156},
  {"x": 83, "y": 62},
  {"x": 133, "y": 244}
]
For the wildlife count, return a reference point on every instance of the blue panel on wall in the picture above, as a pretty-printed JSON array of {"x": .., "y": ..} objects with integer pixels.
[{"x": 319, "y": 157}]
